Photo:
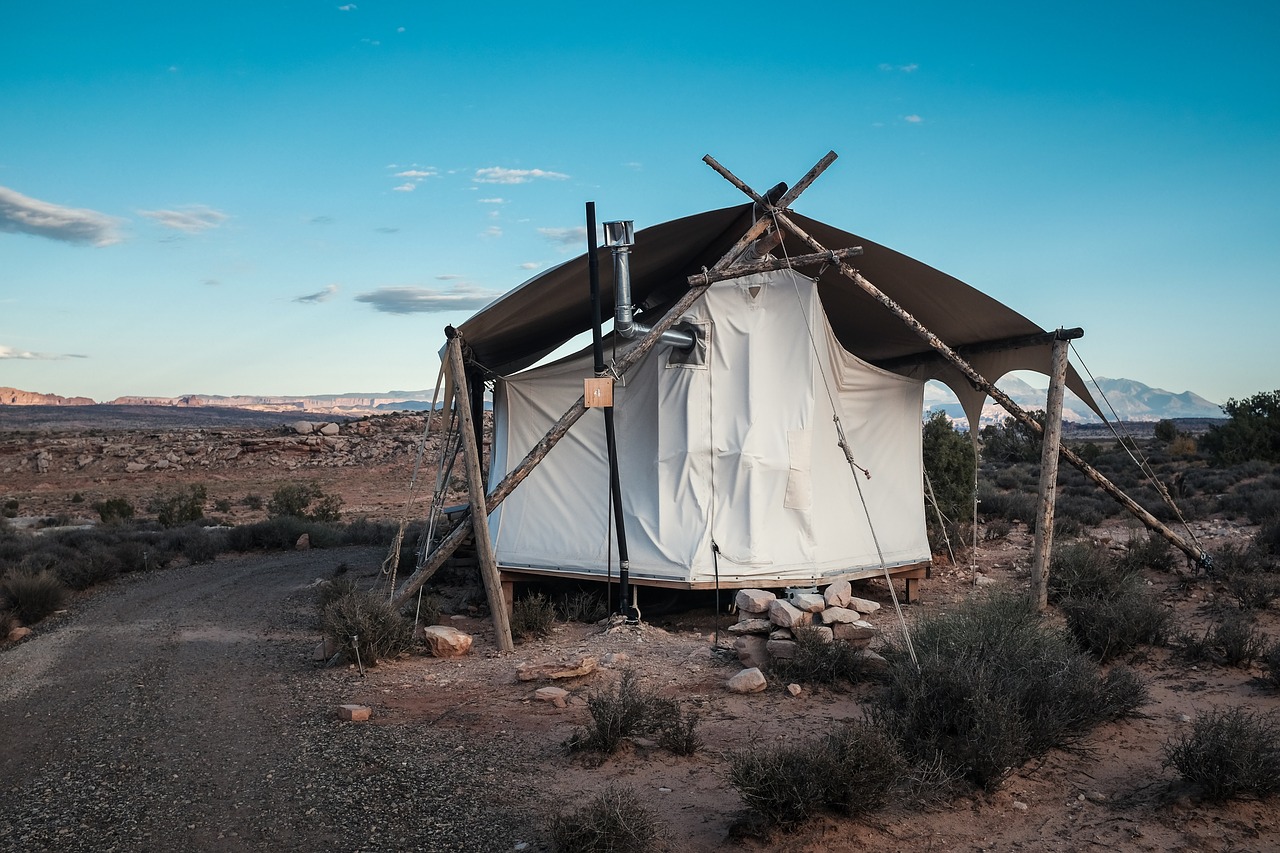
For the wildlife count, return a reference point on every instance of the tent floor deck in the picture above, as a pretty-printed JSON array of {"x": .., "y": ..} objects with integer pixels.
[{"x": 911, "y": 574}]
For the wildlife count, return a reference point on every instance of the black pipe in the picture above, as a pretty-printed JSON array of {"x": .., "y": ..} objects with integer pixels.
[{"x": 610, "y": 434}]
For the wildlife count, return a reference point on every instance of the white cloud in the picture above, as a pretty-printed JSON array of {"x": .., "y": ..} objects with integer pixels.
[
  {"x": 530, "y": 265},
  {"x": 318, "y": 297},
  {"x": 576, "y": 236},
  {"x": 499, "y": 175},
  {"x": 417, "y": 173},
  {"x": 423, "y": 300},
  {"x": 405, "y": 188},
  {"x": 634, "y": 166},
  {"x": 912, "y": 119},
  {"x": 22, "y": 214},
  {"x": 448, "y": 277},
  {"x": 10, "y": 352},
  {"x": 399, "y": 29},
  {"x": 905, "y": 69},
  {"x": 493, "y": 231},
  {"x": 350, "y": 7},
  {"x": 492, "y": 200},
  {"x": 191, "y": 219}
]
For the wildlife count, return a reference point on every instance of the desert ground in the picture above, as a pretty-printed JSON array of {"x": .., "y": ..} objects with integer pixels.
[{"x": 183, "y": 707}]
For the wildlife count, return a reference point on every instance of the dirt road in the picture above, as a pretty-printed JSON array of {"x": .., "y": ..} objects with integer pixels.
[{"x": 180, "y": 711}]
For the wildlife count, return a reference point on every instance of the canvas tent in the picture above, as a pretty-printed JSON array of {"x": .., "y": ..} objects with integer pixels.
[{"x": 732, "y": 469}]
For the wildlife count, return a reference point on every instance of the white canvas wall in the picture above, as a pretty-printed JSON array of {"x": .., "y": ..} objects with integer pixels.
[{"x": 742, "y": 450}]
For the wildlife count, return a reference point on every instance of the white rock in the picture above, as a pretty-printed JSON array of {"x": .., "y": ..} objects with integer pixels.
[
  {"x": 748, "y": 681},
  {"x": 445, "y": 642},
  {"x": 837, "y": 615},
  {"x": 808, "y": 602},
  {"x": 329, "y": 429},
  {"x": 302, "y": 427},
  {"x": 784, "y": 615},
  {"x": 838, "y": 594},
  {"x": 753, "y": 600},
  {"x": 862, "y": 605},
  {"x": 794, "y": 689},
  {"x": 555, "y": 695}
]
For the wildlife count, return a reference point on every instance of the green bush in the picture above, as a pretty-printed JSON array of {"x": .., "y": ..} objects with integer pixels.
[
  {"x": 532, "y": 616},
  {"x": 629, "y": 710},
  {"x": 1271, "y": 663},
  {"x": 852, "y": 771},
  {"x": 1229, "y": 753},
  {"x": 613, "y": 822},
  {"x": 177, "y": 506},
  {"x": 994, "y": 688},
  {"x": 114, "y": 510},
  {"x": 819, "y": 661},
  {"x": 365, "y": 628},
  {"x": 1112, "y": 625},
  {"x": 1252, "y": 431},
  {"x": 1011, "y": 440},
  {"x": 1233, "y": 642},
  {"x": 31, "y": 596},
  {"x": 306, "y": 501},
  {"x": 949, "y": 463},
  {"x": 1083, "y": 570}
]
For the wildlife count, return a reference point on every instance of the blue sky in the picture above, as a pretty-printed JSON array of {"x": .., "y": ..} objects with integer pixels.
[{"x": 296, "y": 197}]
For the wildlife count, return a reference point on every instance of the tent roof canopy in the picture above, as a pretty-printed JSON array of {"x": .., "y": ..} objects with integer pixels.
[{"x": 535, "y": 318}]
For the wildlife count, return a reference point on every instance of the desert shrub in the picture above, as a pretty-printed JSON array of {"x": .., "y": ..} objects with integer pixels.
[
  {"x": 331, "y": 590},
  {"x": 852, "y": 771},
  {"x": 365, "y": 628},
  {"x": 1268, "y": 538},
  {"x": 1271, "y": 663},
  {"x": 995, "y": 687},
  {"x": 363, "y": 531},
  {"x": 306, "y": 501},
  {"x": 679, "y": 732},
  {"x": 1066, "y": 528},
  {"x": 281, "y": 534},
  {"x": 1229, "y": 753},
  {"x": 179, "y": 505},
  {"x": 1089, "y": 510},
  {"x": 1011, "y": 441},
  {"x": 11, "y": 506},
  {"x": 996, "y": 530},
  {"x": 1149, "y": 552},
  {"x": 1083, "y": 570},
  {"x": 197, "y": 544},
  {"x": 818, "y": 661},
  {"x": 532, "y": 616},
  {"x": 88, "y": 568},
  {"x": 615, "y": 821},
  {"x": 1113, "y": 625},
  {"x": 582, "y": 606},
  {"x": 628, "y": 709},
  {"x": 7, "y": 623},
  {"x": 1012, "y": 506},
  {"x": 222, "y": 505},
  {"x": 1249, "y": 574},
  {"x": 1234, "y": 642},
  {"x": 31, "y": 596},
  {"x": 252, "y": 501},
  {"x": 114, "y": 510}
]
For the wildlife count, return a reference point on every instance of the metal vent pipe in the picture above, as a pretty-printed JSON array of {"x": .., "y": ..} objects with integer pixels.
[{"x": 619, "y": 236}]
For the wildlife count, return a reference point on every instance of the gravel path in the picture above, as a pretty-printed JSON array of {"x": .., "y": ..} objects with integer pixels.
[{"x": 180, "y": 710}]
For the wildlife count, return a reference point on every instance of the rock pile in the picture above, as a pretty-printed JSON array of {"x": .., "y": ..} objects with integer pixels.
[{"x": 766, "y": 626}]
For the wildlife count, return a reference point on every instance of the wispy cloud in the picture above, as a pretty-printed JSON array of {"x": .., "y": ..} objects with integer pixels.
[
  {"x": 576, "y": 236},
  {"x": 492, "y": 231},
  {"x": 22, "y": 214},
  {"x": 405, "y": 188},
  {"x": 191, "y": 219},
  {"x": 424, "y": 300},
  {"x": 412, "y": 176},
  {"x": 318, "y": 297},
  {"x": 10, "y": 352},
  {"x": 448, "y": 277},
  {"x": 349, "y": 7},
  {"x": 417, "y": 173},
  {"x": 322, "y": 220},
  {"x": 492, "y": 200},
  {"x": 912, "y": 119},
  {"x": 905, "y": 69},
  {"x": 530, "y": 265},
  {"x": 499, "y": 175}
]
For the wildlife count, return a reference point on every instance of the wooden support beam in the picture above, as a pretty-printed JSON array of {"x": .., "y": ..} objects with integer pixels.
[
  {"x": 904, "y": 361},
  {"x": 535, "y": 455},
  {"x": 770, "y": 264},
  {"x": 475, "y": 489},
  {"x": 1006, "y": 402},
  {"x": 1043, "y": 548}
]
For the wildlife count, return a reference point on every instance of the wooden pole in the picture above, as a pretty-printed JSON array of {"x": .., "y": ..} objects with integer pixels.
[
  {"x": 1043, "y": 550},
  {"x": 535, "y": 455},
  {"x": 475, "y": 488}
]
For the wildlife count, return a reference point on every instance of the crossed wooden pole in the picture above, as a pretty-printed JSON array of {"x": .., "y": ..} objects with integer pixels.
[{"x": 731, "y": 265}]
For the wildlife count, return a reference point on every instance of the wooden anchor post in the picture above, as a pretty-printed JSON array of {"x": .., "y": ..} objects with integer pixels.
[
  {"x": 475, "y": 488},
  {"x": 1043, "y": 549}
]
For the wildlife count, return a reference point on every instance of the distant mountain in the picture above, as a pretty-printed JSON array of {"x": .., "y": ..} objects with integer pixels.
[{"x": 1131, "y": 401}]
